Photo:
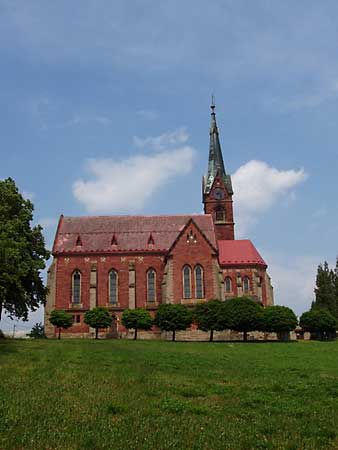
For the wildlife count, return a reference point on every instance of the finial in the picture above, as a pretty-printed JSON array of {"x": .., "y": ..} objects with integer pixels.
[{"x": 212, "y": 103}]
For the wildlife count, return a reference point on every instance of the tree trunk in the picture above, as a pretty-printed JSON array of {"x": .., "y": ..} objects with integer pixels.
[
  {"x": 135, "y": 334},
  {"x": 211, "y": 338},
  {"x": 59, "y": 337},
  {"x": 0, "y": 309},
  {"x": 245, "y": 336},
  {"x": 96, "y": 333},
  {"x": 173, "y": 337}
]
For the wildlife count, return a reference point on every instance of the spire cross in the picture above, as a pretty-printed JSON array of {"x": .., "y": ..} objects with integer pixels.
[{"x": 212, "y": 103}]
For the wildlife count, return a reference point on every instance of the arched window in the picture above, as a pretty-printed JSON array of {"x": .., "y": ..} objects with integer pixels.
[
  {"x": 186, "y": 282},
  {"x": 199, "y": 282},
  {"x": 113, "y": 286},
  {"x": 151, "y": 285},
  {"x": 76, "y": 282},
  {"x": 228, "y": 285},
  {"x": 220, "y": 215},
  {"x": 246, "y": 285}
]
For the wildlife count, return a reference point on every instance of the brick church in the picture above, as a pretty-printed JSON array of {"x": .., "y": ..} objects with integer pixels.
[{"x": 124, "y": 262}]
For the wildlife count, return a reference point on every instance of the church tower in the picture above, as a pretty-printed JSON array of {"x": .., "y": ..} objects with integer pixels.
[{"x": 217, "y": 187}]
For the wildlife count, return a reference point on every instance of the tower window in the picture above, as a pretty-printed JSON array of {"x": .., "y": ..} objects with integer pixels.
[
  {"x": 151, "y": 286},
  {"x": 228, "y": 285},
  {"x": 76, "y": 281},
  {"x": 113, "y": 286},
  {"x": 220, "y": 215},
  {"x": 246, "y": 285},
  {"x": 199, "y": 282},
  {"x": 186, "y": 282}
]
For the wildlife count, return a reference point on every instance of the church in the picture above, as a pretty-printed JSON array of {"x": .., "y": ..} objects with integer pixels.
[{"x": 124, "y": 262}]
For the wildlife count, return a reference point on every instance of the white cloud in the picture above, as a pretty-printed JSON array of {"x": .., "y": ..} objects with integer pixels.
[
  {"x": 165, "y": 140},
  {"x": 257, "y": 187},
  {"x": 126, "y": 185},
  {"x": 147, "y": 114},
  {"x": 293, "y": 278},
  {"x": 84, "y": 119}
]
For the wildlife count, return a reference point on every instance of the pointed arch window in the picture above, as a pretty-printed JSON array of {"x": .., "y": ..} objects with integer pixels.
[
  {"x": 246, "y": 285},
  {"x": 151, "y": 286},
  {"x": 199, "y": 282},
  {"x": 186, "y": 282},
  {"x": 113, "y": 287},
  {"x": 228, "y": 285},
  {"x": 76, "y": 287}
]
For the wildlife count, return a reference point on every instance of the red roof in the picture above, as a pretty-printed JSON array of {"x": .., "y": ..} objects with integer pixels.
[
  {"x": 237, "y": 253},
  {"x": 125, "y": 233}
]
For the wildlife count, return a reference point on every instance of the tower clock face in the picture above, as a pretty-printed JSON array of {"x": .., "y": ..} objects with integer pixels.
[{"x": 218, "y": 194}]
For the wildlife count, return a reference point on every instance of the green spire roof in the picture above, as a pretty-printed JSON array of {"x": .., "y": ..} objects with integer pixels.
[{"x": 216, "y": 163}]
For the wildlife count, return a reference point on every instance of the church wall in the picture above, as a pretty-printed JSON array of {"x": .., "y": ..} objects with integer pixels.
[
  {"x": 187, "y": 252},
  {"x": 257, "y": 280}
]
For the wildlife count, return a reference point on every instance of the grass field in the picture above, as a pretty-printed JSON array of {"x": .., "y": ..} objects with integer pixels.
[{"x": 164, "y": 395}]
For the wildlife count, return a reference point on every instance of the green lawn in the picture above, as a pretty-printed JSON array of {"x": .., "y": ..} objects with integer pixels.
[{"x": 164, "y": 395}]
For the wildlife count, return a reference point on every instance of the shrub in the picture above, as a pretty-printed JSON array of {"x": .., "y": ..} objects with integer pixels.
[
  {"x": 207, "y": 316},
  {"x": 243, "y": 314},
  {"x": 319, "y": 321},
  {"x": 60, "y": 319},
  {"x": 279, "y": 319}
]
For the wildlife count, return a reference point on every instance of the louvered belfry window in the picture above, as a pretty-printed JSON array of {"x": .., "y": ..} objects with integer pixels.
[
  {"x": 151, "y": 285},
  {"x": 112, "y": 287},
  {"x": 186, "y": 282},
  {"x": 76, "y": 287},
  {"x": 199, "y": 282}
]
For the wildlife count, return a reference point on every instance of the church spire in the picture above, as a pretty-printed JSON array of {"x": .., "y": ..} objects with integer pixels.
[{"x": 216, "y": 163}]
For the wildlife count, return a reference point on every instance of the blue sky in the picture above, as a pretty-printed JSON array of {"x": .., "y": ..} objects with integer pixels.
[{"x": 105, "y": 109}]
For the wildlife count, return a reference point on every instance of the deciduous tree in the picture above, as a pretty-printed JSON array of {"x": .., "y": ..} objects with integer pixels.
[
  {"x": 138, "y": 319},
  {"x": 22, "y": 254},
  {"x": 319, "y": 321},
  {"x": 60, "y": 319},
  {"x": 208, "y": 316},
  {"x": 173, "y": 318},
  {"x": 243, "y": 315},
  {"x": 279, "y": 319},
  {"x": 98, "y": 318}
]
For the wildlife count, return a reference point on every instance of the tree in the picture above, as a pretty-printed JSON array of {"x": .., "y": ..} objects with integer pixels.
[
  {"x": 207, "y": 316},
  {"x": 325, "y": 291},
  {"x": 60, "y": 319},
  {"x": 243, "y": 314},
  {"x": 279, "y": 319},
  {"x": 319, "y": 321},
  {"x": 138, "y": 319},
  {"x": 22, "y": 254},
  {"x": 37, "y": 332},
  {"x": 173, "y": 318},
  {"x": 98, "y": 318}
]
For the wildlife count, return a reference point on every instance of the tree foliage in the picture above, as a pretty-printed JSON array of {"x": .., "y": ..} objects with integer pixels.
[
  {"x": 138, "y": 319},
  {"x": 279, "y": 319},
  {"x": 243, "y": 314},
  {"x": 37, "y": 332},
  {"x": 22, "y": 254},
  {"x": 173, "y": 318},
  {"x": 60, "y": 319},
  {"x": 326, "y": 289},
  {"x": 98, "y": 318},
  {"x": 207, "y": 316},
  {"x": 319, "y": 321}
]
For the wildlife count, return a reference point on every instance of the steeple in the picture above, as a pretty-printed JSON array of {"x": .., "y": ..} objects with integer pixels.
[
  {"x": 216, "y": 186},
  {"x": 216, "y": 163}
]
